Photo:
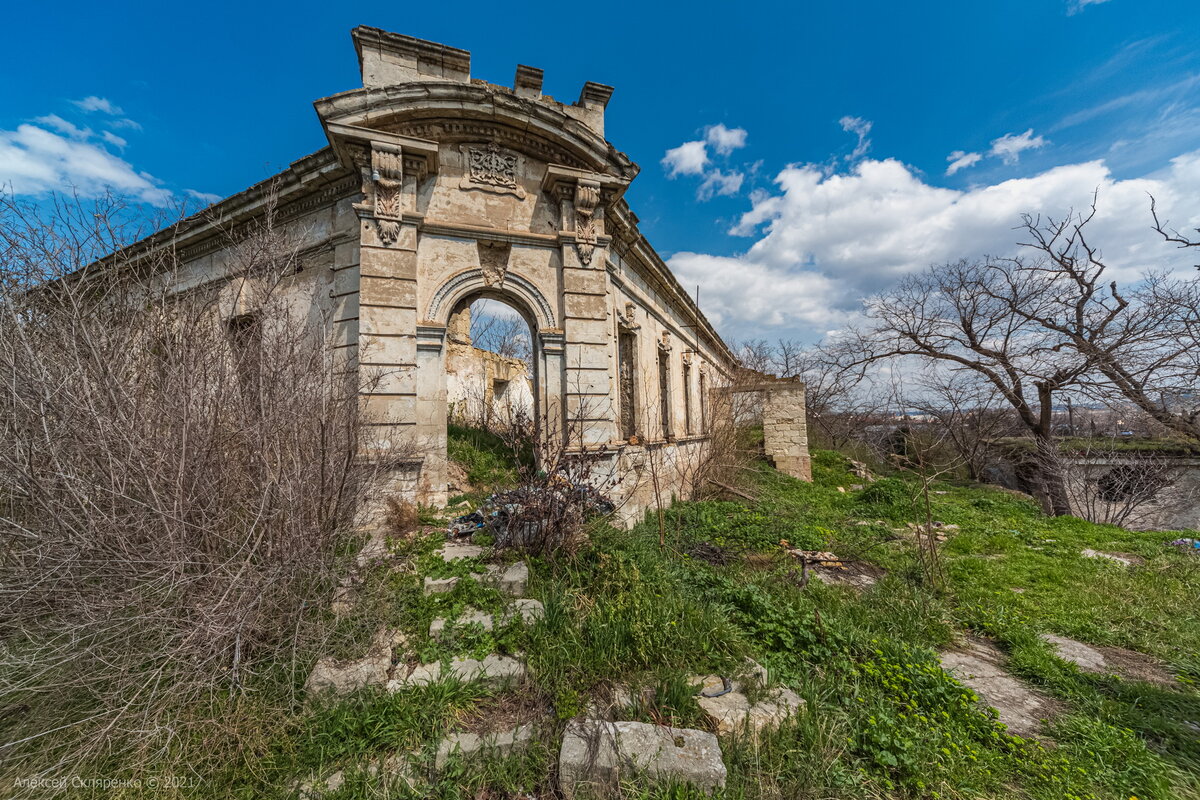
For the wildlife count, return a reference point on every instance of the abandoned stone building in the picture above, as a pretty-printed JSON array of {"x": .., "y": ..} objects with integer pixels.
[{"x": 437, "y": 189}]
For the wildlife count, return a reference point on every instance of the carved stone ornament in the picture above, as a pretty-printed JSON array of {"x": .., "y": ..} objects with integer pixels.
[
  {"x": 492, "y": 169},
  {"x": 587, "y": 198},
  {"x": 627, "y": 320},
  {"x": 387, "y": 176},
  {"x": 688, "y": 358},
  {"x": 493, "y": 261},
  {"x": 664, "y": 343}
]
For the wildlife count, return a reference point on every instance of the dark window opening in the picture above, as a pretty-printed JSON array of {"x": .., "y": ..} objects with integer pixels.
[
  {"x": 664, "y": 393},
  {"x": 626, "y": 378}
]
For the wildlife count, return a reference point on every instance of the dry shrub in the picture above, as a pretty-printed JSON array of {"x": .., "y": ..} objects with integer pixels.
[
  {"x": 401, "y": 518},
  {"x": 174, "y": 486}
]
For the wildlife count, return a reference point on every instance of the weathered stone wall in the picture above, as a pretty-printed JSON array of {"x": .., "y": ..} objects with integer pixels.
[
  {"x": 486, "y": 388},
  {"x": 785, "y": 432}
]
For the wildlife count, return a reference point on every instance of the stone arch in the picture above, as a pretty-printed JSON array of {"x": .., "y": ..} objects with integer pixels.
[{"x": 515, "y": 290}]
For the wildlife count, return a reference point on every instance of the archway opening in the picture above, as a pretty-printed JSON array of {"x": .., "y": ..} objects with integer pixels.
[{"x": 491, "y": 392}]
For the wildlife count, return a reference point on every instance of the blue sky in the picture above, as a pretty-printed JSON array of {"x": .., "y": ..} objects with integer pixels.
[{"x": 794, "y": 156}]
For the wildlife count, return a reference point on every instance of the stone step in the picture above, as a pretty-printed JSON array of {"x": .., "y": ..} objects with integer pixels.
[
  {"x": 496, "y": 671},
  {"x": 530, "y": 612},
  {"x": 512, "y": 580},
  {"x": 597, "y": 755},
  {"x": 469, "y": 745},
  {"x": 454, "y": 551},
  {"x": 733, "y": 713},
  {"x": 470, "y": 616}
]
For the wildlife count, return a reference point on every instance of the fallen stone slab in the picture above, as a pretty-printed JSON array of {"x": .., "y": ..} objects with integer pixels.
[
  {"x": 1085, "y": 657},
  {"x": 512, "y": 579},
  {"x": 470, "y": 616},
  {"x": 393, "y": 772},
  {"x": 454, "y": 551},
  {"x": 1102, "y": 660},
  {"x": 596, "y": 756},
  {"x": 979, "y": 667},
  {"x": 530, "y": 611},
  {"x": 468, "y": 745},
  {"x": 732, "y": 713},
  {"x": 343, "y": 677},
  {"x": 496, "y": 671}
]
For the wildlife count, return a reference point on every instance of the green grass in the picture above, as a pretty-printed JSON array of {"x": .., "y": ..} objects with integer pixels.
[
  {"x": 488, "y": 459},
  {"x": 882, "y": 719}
]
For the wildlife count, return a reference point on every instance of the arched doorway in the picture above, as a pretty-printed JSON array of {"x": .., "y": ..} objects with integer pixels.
[{"x": 447, "y": 331}]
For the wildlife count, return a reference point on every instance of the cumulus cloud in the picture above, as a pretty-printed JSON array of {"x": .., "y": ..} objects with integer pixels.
[
  {"x": 862, "y": 129},
  {"x": 690, "y": 158},
  {"x": 725, "y": 140},
  {"x": 960, "y": 160},
  {"x": 101, "y": 104},
  {"x": 56, "y": 155},
  {"x": 1010, "y": 146},
  {"x": 720, "y": 183},
  {"x": 822, "y": 241}
]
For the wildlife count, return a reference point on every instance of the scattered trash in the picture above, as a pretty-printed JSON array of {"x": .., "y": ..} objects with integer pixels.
[
  {"x": 1191, "y": 546},
  {"x": 524, "y": 505}
]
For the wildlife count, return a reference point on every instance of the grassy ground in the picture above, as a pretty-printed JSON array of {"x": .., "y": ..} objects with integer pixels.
[{"x": 882, "y": 720}]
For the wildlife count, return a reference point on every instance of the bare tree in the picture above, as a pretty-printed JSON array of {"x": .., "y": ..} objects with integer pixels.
[
  {"x": 971, "y": 412},
  {"x": 965, "y": 315},
  {"x": 1141, "y": 343},
  {"x": 175, "y": 483},
  {"x": 503, "y": 334}
]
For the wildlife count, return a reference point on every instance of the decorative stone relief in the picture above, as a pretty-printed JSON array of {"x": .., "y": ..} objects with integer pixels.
[
  {"x": 493, "y": 261},
  {"x": 587, "y": 198},
  {"x": 488, "y": 167},
  {"x": 664, "y": 343},
  {"x": 387, "y": 175},
  {"x": 627, "y": 320}
]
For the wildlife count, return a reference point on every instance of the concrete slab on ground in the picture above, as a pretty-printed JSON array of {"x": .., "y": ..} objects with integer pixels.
[{"x": 979, "y": 666}]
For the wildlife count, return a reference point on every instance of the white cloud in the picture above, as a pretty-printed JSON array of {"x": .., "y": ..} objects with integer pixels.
[
  {"x": 960, "y": 160},
  {"x": 113, "y": 139},
  {"x": 1076, "y": 6},
  {"x": 205, "y": 197},
  {"x": 62, "y": 126},
  {"x": 720, "y": 183},
  {"x": 861, "y": 128},
  {"x": 823, "y": 241},
  {"x": 125, "y": 123},
  {"x": 690, "y": 158},
  {"x": 725, "y": 140},
  {"x": 101, "y": 104},
  {"x": 1010, "y": 146},
  {"x": 35, "y": 160}
]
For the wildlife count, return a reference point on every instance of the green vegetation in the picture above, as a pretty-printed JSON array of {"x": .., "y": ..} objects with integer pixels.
[
  {"x": 487, "y": 458},
  {"x": 883, "y": 720}
]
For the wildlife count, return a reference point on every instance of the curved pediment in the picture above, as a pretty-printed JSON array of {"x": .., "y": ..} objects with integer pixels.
[{"x": 467, "y": 113}]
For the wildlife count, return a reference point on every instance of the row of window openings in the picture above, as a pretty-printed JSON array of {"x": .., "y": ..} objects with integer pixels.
[{"x": 627, "y": 377}]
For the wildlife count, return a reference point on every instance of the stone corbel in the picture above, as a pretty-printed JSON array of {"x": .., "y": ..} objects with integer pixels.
[
  {"x": 687, "y": 359},
  {"x": 664, "y": 342},
  {"x": 390, "y": 169},
  {"x": 582, "y": 198}
]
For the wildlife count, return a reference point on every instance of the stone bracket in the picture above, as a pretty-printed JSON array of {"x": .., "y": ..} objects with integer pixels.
[{"x": 582, "y": 197}]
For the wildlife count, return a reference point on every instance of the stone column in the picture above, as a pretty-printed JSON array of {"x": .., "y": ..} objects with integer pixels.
[
  {"x": 785, "y": 431},
  {"x": 588, "y": 385}
]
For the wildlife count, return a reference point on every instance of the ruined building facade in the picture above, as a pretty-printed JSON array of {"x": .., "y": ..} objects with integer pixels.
[{"x": 438, "y": 189}]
